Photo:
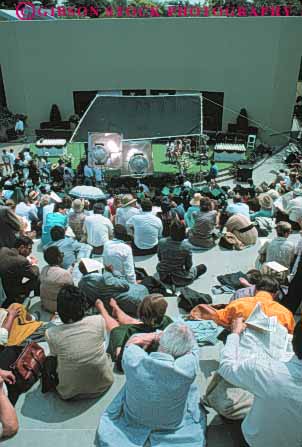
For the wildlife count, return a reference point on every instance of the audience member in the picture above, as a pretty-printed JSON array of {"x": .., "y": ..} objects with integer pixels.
[
  {"x": 76, "y": 218},
  {"x": 147, "y": 230},
  {"x": 53, "y": 277},
  {"x": 71, "y": 248},
  {"x": 83, "y": 367},
  {"x": 201, "y": 235},
  {"x": 110, "y": 284},
  {"x": 97, "y": 229},
  {"x": 266, "y": 293},
  {"x": 175, "y": 258},
  {"x": 15, "y": 266},
  {"x": 119, "y": 254},
  {"x": 151, "y": 318},
  {"x": 280, "y": 249},
  {"x": 277, "y": 389},
  {"x": 127, "y": 210},
  {"x": 168, "y": 411}
]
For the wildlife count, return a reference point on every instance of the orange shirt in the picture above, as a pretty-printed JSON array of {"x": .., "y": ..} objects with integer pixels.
[{"x": 244, "y": 307}]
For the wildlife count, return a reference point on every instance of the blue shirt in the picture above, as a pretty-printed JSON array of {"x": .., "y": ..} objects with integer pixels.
[
  {"x": 52, "y": 219},
  {"x": 239, "y": 208},
  {"x": 72, "y": 250}
]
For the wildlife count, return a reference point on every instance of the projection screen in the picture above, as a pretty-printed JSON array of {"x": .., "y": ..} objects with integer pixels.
[{"x": 142, "y": 117}]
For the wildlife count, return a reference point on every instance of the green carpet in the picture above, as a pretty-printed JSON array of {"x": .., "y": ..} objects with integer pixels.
[{"x": 161, "y": 163}]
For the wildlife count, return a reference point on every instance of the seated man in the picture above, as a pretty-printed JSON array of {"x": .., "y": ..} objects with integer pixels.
[
  {"x": 97, "y": 229},
  {"x": 238, "y": 207},
  {"x": 266, "y": 293},
  {"x": 147, "y": 230},
  {"x": 111, "y": 284},
  {"x": 280, "y": 249},
  {"x": 160, "y": 402},
  {"x": 175, "y": 259},
  {"x": 83, "y": 367},
  {"x": 119, "y": 254},
  {"x": 19, "y": 277},
  {"x": 53, "y": 277},
  {"x": 277, "y": 389},
  {"x": 72, "y": 249}
]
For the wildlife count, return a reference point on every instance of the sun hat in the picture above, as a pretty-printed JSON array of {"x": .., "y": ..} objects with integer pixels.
[
  {"x": 274, "y": 194},
  {"x": 195, "y": 201},
  {"x": 77, "y": 205},
  {"x": 33, "y": 195},
  {"x": 127, "y": 200},
  {"x": 265, "y": 201}
]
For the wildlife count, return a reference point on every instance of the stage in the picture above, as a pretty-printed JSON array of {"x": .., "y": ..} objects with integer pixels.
[{"x": 161, "y": 164}]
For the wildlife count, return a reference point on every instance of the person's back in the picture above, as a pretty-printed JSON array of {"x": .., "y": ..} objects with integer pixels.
[
  {"x": 98, "y": 229},
  {"x": 119, "y": 254},
  {"x": 204, "y": 224},
  {"x": 160, "y": 401},
  {"x": 280, "y": 250},
  {"x": 9, "y": 225},
  {"x": 147, "y": 227},
  {"x": 84, "y": 369},
  {"x": 274, "y": 419}
]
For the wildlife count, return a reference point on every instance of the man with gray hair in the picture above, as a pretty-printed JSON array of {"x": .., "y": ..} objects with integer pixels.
[{"x": 160, "y": 401}]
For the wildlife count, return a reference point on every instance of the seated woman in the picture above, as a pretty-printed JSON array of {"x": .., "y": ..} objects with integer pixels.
[
  {"x": 52, "y": 278},
  {"x": 151, "y": 317},
  {"x": 266, "y": 207},
  {"x": 201, "y": 235},
  {"x": 244, "y": 231},
  {"x": 160, "y": 401},
  {"x": 175, "y": 259},
  {"x": 83, "y": 367}
]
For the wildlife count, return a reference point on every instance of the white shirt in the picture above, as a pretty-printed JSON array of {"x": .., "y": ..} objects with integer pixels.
[
  {"x": 27, "y": 211},
  {"x": 124, "y": 214},
  {"x": 12, "y": 157},
  {"x": 98, "y": 228},
  {"x": 46, "y": 210},
  {"x": 27, "y": 156},
  {"x": 275, "y": 417},
  {"x": 147, "y": 230},
  {"x": 119, "y": 255},
  {"x": 238, "y": 208},
  {"x": 294, "y": 209}
]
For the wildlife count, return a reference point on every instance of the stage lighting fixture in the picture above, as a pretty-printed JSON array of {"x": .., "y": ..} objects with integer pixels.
[
  {"x": 105, "y": 149},
  {"x": 137, "y": 158}
]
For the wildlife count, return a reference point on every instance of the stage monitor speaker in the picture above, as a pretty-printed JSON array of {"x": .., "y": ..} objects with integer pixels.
[
  {"x": 137, "y": 158},
  {"x": 245, "y": 173},
  {"x": 105, "y": 150}
]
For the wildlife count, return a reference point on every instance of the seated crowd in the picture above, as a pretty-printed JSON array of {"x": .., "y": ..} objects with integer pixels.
[{"x": 103, "y": 312}]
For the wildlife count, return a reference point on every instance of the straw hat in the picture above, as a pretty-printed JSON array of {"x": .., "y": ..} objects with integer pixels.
[
  {"x": 196, "y": 199},
  {"x": 127, "y": 200},
  {"x": 33, "y": 195},
  {"x": 77, "y": 205},
  {"x": 274, "y": 194},
  {"x": 265, "y": 201}
]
